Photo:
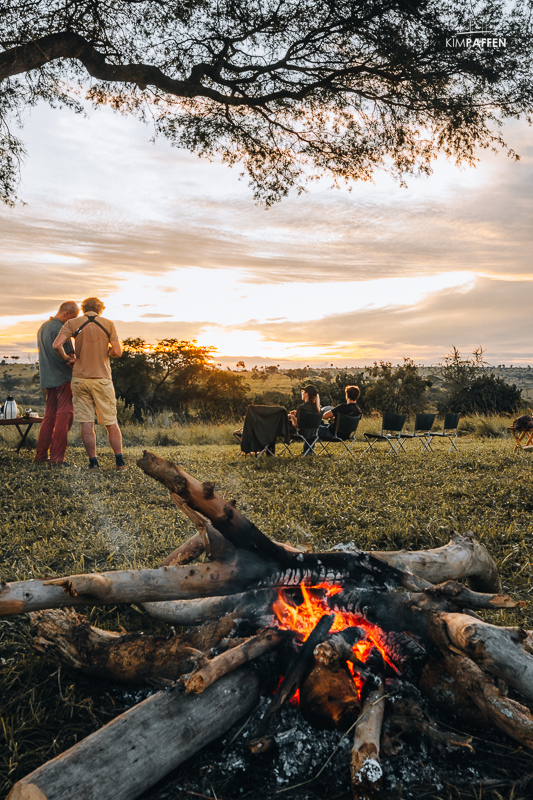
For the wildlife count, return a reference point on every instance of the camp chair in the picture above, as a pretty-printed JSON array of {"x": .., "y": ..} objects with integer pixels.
[
  {"x": 307, "y": 424},
  {"x": 423, "y": 425},
  {"x": 391, "y": 432},
  {"x": 263, "y": 425},
  {"x": 449, "y": 431},
  {"x": 343, "y": 432}
]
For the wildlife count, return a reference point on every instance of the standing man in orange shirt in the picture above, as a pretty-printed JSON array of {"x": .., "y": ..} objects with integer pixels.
[{"x": 92, "y": 386}]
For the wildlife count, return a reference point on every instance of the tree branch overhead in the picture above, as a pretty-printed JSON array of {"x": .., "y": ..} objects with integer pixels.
[{"x": 290, "y": 89}]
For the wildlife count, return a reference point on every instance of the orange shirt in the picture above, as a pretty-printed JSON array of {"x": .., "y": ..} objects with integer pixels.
[{"x": 91, "y": 347}]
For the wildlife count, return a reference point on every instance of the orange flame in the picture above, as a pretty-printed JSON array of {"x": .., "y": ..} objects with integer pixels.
[{"x": 303, "y": 618}]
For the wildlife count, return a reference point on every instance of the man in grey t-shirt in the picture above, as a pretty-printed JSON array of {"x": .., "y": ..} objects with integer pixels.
[{"x": 56, "y": 374}]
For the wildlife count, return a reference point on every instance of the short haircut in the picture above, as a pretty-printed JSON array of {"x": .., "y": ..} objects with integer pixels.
[
  {"x": 92, "y": 304},
  {"x": 68, "y": 307},
  {"x": 353, "y": 392}
]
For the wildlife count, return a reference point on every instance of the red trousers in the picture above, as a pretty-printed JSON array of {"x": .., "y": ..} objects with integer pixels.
[{"x": 58, "y": 418}]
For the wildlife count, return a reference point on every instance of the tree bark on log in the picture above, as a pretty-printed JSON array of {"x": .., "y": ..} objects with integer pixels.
[
  {"x": 145, "y": 743},
  {"x": 495, "y": 649},
  {"x": 462, "y": 557},
  {"x": 130, "y": 586}
]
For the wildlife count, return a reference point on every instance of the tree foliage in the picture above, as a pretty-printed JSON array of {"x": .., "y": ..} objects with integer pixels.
[
  {"x": 469, "y": 390},
  {"x": 399, "y": 389},
  {"x": 289, "y": 88},
  {"x": 485, "y": 394},
  {"x": 174, "y": 374}
]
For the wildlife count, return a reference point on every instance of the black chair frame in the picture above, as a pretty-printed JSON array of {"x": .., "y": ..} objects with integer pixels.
[
  {"x": 423, "y": 425},
  {"x": 391, "y": 432},
  {"x": 449, "y": 431},
  {"x": 344, "y": 432}
]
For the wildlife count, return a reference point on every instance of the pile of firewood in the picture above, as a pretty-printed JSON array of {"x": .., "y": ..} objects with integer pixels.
[{"x": 419, "y": 622}]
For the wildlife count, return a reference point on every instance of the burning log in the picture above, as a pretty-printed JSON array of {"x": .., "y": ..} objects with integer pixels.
[
  {"x": 328, "y": 696},
  {"x": 211, "y": 671},
  {"x": 299, "y": 666},
  {"x": 145, "y": 743},
  {"x": 365, "y": 767}
]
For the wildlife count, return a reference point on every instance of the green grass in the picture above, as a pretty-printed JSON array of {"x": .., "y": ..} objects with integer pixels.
[{"x": 62, "y": 522}]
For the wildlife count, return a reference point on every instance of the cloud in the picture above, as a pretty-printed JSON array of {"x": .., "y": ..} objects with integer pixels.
[{"x": 127, "y": 214}]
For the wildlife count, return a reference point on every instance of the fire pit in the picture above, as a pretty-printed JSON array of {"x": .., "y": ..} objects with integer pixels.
[{"x": 368, "y": 646}]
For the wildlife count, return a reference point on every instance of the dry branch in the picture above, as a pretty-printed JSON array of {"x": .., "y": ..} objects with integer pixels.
[
  {"x": 365, "y": 766},
  {"x": 208, "y": 673},
  {"x": 407, "y": 717}
]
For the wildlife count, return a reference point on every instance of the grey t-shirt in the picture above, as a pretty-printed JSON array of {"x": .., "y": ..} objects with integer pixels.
[{"x": 52, "y": 369}]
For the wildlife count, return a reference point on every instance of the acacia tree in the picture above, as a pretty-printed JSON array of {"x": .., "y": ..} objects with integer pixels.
[
  {"x": 291, "y": 88},
  {"x": 172, "y": 374}
]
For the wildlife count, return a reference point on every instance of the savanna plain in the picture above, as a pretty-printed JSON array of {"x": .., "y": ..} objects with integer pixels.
[{"x": 65, "y": 521}]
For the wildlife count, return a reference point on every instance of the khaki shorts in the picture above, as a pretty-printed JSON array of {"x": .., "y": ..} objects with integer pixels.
[{"x": 94, "y": 394}]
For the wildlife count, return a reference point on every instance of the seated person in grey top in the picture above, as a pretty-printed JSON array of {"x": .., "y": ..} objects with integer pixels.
[{"x": 349, "y": 409}]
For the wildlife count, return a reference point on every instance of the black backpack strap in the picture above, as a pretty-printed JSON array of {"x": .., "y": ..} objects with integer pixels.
[{"x": 91, "y": 319}]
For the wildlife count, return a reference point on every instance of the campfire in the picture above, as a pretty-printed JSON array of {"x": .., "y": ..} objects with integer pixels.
[{"x": 368, "y": 644}]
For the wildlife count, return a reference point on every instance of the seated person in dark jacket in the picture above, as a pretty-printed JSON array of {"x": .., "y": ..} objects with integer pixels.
[
  {"x": 349, "y": 409},
  {"x": 311, "y": 404}
]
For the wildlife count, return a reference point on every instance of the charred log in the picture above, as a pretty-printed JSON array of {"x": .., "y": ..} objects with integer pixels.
[
  {"x": 294, "y": 675},
  {"x": 253, "y": 604},
  {"x": 291, "y": 567}
]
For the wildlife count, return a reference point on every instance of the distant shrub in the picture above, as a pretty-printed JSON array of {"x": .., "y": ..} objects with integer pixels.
[{"x": 486, "y": 394}]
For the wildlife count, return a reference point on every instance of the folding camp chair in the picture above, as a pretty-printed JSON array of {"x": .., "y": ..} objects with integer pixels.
[
  {"x": 391, "y": 432},
  {"x": 449, "y": 431},
  {"x": 263, "y": 425},
  {"x": 423, "y": 425},
  {"x": 343, "y": 432},
  {"x": 307, "y": 424}
]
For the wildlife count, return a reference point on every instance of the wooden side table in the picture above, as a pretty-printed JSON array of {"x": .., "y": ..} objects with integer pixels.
[
  {"x": 523, "y": 439},
  {"x": 20, "y": 423}
]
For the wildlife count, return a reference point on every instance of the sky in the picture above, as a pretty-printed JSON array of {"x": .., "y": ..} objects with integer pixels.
[{"x": 176, "y": 247}]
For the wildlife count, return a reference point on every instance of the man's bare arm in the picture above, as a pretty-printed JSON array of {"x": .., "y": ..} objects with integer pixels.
[
  {"x": 115, "y": 350},
  {"x": 58, "y": 346}
]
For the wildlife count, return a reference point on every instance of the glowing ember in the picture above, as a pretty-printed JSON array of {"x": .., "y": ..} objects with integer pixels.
[{"x": 303, "y": 618}]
